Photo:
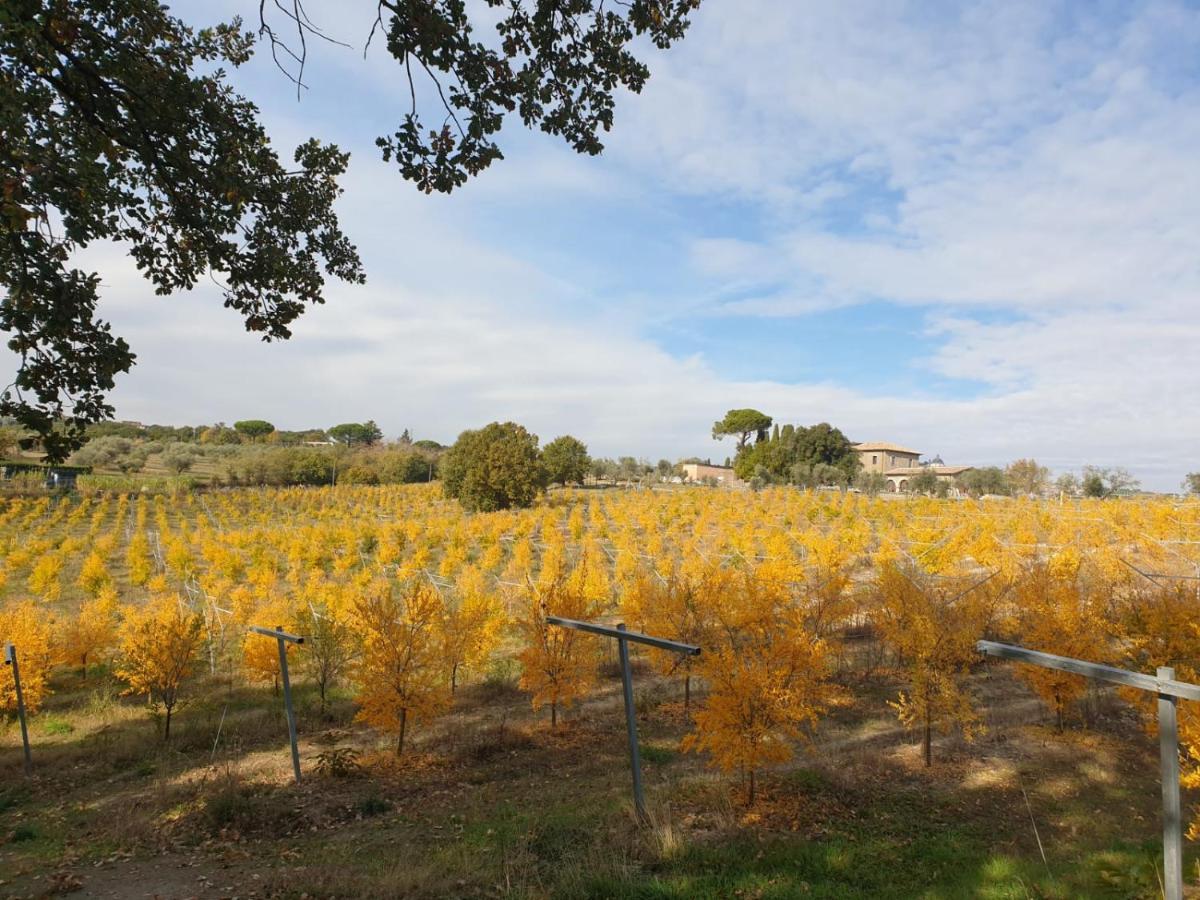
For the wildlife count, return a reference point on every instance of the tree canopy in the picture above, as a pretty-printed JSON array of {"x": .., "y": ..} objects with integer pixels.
[
  {"x": 809, "y": 456},
  {"x": 742, "y": 424},
  {"x": 120, "y": 126},
  {"x": 496, "y": 467},
  {"x": 253, "y": 428},
  {"x": 356, "y": 433},
  {"x": 566, "y": 460}
]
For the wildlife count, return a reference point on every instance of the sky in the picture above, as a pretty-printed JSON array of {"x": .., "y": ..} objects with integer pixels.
[{"x": 967, "y": 228}]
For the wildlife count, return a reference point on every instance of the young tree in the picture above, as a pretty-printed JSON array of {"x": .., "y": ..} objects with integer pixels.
[
  {"x": 260, "y": 655},
  {"x": 331, "y": 644},
  {"x": 558, "y": 665},
  {"x": 26, "y": 626},
  {"x": 472, "y": 626},
  {"x": 496, "y": 467},
  {"x": 159, "y": 644},
  {"x": 767, "y": 681},
  {"x": 932, "y": 625},
  {"x": 1059, "y": 615},
  {"x": 681, "y": 607},
  {"x": 566, "y": 460},
  {"x": 401, "y": 672},
  {"x": 92, "y": 632},
  {"x": 1191, "y": 483}
]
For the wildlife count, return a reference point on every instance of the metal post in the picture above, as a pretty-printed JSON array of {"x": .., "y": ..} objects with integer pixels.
[
  {"x": 1169, "y": 693},
  {"x": 10, "y": 657},
  {"x": 635, "y": 759},
  {"x": 1168, "y": 742},
  {"x": 284, "y": 638},
  {"x": 287, "y": 704}
]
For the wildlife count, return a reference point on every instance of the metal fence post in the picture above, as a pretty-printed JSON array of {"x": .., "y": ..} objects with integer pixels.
[
  {"x": 635, "y": 759},
  {"x": 1168, "y": 743},
  {"x": 623, "y": 638},
  {"x": 284, "y": 639},
  {"x": 1169, "y": 693},
  {"x": 287, "y": 704},
  {"x": 10, "y": 657}
]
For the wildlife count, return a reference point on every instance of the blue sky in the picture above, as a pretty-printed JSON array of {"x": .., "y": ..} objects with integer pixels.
[{"x": 969, "y": 228}]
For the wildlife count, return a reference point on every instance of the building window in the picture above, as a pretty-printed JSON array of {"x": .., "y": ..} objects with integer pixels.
[{"x": 874, "y": 459}]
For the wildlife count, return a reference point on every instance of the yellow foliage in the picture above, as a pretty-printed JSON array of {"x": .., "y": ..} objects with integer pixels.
[
  {"x": 766, "y": 674},
  {"x": 932, "y": 625},
  {"x": 27, "y": 627},
  {"x": 558, "y": 664},
  {"x": 401, "y": 672},
  {"x": 92, "y": 632},
  {"x": 159, "y": 643}
]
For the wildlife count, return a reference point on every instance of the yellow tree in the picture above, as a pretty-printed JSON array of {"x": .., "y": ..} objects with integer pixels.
[
  {"x": 401, "y": 672},
  {"x": 680, "y": 607},
  {"x": 26, "y": 626},
  {"x": 159, "y": 644},
  {"x": 558, "y": 665},
  {"x": 260, "y": 655},
  {"x": 92, "y": 632},
  {"x": 330, "y": 642},
  {"x": 472, "y": 626},
  {"x": 932, "y": 626},
  {"x": 94, "y": 576},
  {"x": 1058, "y": 615},
  {"x": 766, "y": 673}
]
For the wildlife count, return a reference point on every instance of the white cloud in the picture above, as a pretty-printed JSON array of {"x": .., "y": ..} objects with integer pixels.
[{"x": 1022, "y": 159}]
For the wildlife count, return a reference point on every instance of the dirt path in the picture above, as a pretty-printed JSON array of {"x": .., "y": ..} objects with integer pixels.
[{"x": 171, "y": 876}]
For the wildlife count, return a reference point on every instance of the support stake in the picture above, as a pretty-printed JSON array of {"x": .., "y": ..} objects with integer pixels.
[
  {"x": 284, "y": 638},
  {"x": 1169, "y": 692},
  {"x": 1168, "y": 745},
  {"x": 10, "y": 658},
  {"x": 623, "y": 638},
  {"x": 635, "y": 759}
]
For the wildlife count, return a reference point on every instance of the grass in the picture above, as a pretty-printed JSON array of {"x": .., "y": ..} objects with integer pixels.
[{"x": 492, "y": 802}]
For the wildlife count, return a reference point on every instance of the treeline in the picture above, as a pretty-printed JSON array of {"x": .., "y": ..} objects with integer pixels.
[
  {"x": 247, "y": 431},
  {"x": 808, "y": 456}
]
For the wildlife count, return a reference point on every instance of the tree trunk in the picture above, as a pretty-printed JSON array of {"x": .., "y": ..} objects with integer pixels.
[
  {"x": 453, "y": 679},
  {"x": 403, "y": 725},
  {"x": 167, "y": 727},
  {"x": 752, "y": 786},
  {"x": 1058, "y": 710},
  {"x": 687, "y": 692},
  {"x": 553, "y": 714},
  {"x": 321, "y": 690}
]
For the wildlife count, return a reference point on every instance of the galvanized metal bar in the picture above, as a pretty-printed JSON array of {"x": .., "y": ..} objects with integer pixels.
[
  {"x": 10, "y": 658},
  {"x": 635, "y": 759},
  {"x": 622, "y": 635},
  {"x": 1169, "y": 691},
  {"x": 287, "y": 705},
  {"x": 284, "y": 638},
  {"x": 1168, "y": 744},
  {"x": 1155, "y": 684},
  {"x": 277, "y": 633}
]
